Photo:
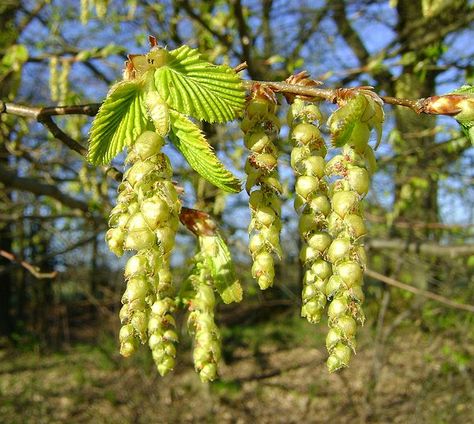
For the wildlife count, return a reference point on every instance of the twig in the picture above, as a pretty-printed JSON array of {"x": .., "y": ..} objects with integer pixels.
[
  {"x": 433, "y": 249},
  {"x": 419, "y": 224},
  {"x": 430, "y": 295},
  {"x": 34, "y": 270}
]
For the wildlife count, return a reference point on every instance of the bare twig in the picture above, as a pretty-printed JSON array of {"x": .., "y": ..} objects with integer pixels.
[
  {"x": 33, "y": 270},
  {"x": 426, "y": 248},
  {"x": 417, "y": 291}
]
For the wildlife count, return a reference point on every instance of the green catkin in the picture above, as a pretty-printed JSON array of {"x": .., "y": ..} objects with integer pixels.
[
  {"x": 84, "y": 15},
  {"x": 63, "y": 81},
  {"x": 261, "y": 127},
  {"x": 146, "y": 219},
  {"x": 53, "y": 78},
  {"x": 308, "y": 163},
  {"x": 346, "y": 224},
  {"x": 132, "y": 8},
  {"x": 101, "y": 8},
  {"x": 201, "y": 324}
]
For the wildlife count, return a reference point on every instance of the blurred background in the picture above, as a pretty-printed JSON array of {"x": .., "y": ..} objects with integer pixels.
[{"x": 60, "y": 288}]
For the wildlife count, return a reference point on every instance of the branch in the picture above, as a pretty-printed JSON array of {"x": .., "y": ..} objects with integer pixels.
[
  {"x": 34, "y": 270},
  {"x": 12, "y": 180},
  {"x": 438, "y": 298},
  {"x": 433, "y": 249}
]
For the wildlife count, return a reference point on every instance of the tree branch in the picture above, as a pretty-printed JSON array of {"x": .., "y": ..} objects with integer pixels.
[
  {"x": 433, "y": 249},
  {"x": 12, "y": 180},
  {"x": 34, "y": 270},
  {"x": 438, "y": 298}
]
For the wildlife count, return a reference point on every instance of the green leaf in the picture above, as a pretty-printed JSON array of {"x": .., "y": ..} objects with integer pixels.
[
  {"x": 195, "y": 87},
  {"x": 14, "y": 58},
  {"x": 221, "y": 268},
  {"x": 190, "y": 141},
  {"x": 121, "y": 119},
  {"x": 465, "y": 89},
  {"x": 465, "y": 117}
]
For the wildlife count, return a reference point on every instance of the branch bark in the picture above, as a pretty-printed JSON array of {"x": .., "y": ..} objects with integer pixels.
[
  {"x": 12, "y": 180},
  {"x": 433, "y": 249},
  {"x": 430, "y": 295}
]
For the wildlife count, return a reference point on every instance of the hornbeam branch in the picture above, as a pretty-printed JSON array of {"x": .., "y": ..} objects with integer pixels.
[
  {"x": 438, "y": 298},
  {"x": 433, "y": 249},
  {"x": 33, "y": 270}
]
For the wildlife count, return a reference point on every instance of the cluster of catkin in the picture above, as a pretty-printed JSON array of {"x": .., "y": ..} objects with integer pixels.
[
  {"x": 328, "y": 196},
  {"x": 261, "y": 127},
  {"x": 145, "y": 220}
]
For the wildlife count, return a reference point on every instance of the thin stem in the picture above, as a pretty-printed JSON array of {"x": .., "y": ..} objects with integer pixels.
[{"x": 438, "y": 298}]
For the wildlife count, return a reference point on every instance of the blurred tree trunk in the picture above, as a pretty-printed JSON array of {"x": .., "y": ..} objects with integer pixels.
[
  {"x": 416, "y": 185},
  {"x": 8, "y": 35}
]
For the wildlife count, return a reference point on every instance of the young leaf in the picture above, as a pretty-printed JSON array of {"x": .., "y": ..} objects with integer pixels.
[
  {"x": 466, "y": 116},
  {"x": 221, "y": 267},
  {"x": 121, "y": 119},
  {"x": 198, "y": 88},
  {"x": 190, "y": 141}
]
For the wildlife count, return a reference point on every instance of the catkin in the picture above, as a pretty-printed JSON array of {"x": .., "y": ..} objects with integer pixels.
[
  {"x": 311, "y": 200},
  {"x": 54, "y": 78},
  {"x": 146, "y": 219},
  {"x": 261, "y": 127},
  {"x": 352, "y": 168},
  {"x": 201, "y": 324}
]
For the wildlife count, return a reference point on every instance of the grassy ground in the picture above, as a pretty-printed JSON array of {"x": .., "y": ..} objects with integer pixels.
[{"x": 274, "y": 372}]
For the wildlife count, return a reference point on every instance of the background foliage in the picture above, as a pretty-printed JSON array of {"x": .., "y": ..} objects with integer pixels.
[{"x": 58, "y": 352}]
